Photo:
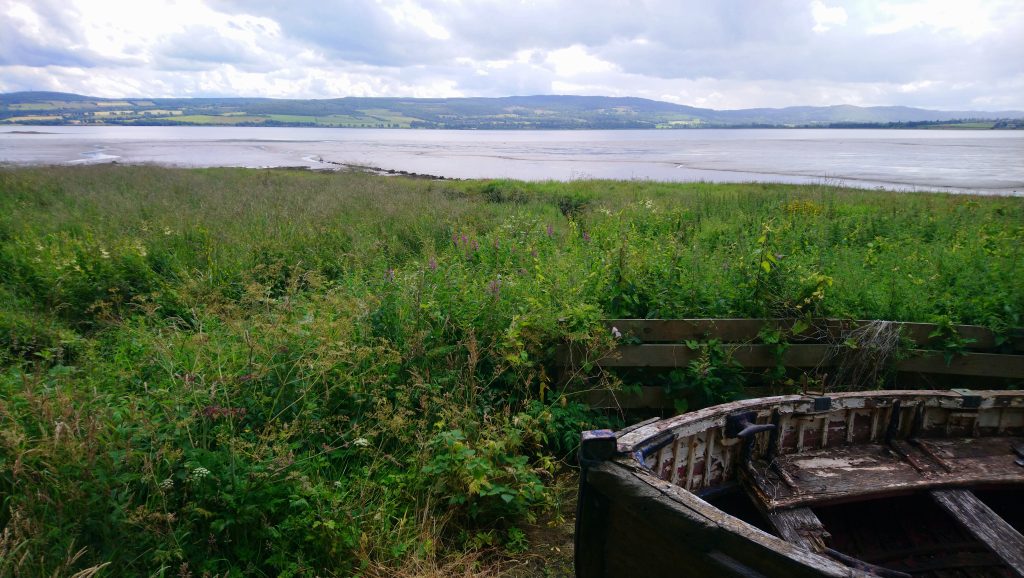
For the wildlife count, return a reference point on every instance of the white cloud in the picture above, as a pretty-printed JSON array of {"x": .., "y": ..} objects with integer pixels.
[
  {"x": 826, "y": 17},
  {"x": 944, "y": 54},
  {"x": 575, "y": 60},
  {"x": 962, "y": 17},
  {"x": 408, "y": 14}
]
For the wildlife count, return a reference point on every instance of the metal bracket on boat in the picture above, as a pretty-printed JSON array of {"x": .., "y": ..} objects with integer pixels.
[
  {"x": 968, "y": 398},
  {"x": 822, "y": 403},
  {"x": 641, "y": 454},
  {"x": 742, "y": 425}
]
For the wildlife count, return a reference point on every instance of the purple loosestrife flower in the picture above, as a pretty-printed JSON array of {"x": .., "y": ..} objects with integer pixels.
[
  {"x": 586, "y": 237},
  {"x": 432, "y": 264},
  {"x": 551, "y": 231}
]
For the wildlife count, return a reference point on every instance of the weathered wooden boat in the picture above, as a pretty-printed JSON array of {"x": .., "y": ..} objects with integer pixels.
[{"x": 896, "y": 483}]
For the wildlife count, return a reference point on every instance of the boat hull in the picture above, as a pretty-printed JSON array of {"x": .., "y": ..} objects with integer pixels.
[{"x": 645, "y": 503}]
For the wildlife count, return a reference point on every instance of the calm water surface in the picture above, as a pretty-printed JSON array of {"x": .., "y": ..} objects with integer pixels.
[{"x": 956, "y": 161}]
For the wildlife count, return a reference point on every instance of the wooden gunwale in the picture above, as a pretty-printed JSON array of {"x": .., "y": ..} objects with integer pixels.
[{"x": 694, "y": 422}]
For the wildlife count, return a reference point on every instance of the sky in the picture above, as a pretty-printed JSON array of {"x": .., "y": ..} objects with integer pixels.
[{"x": 722, "y": 54}]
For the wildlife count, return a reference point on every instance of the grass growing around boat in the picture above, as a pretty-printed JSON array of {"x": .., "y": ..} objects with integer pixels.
[{"x": 251, "y": 372}]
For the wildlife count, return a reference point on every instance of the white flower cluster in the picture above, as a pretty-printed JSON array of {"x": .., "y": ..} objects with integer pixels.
[
  {"x": 167, "y": 484},
  {"x": 198, "y": 474}
]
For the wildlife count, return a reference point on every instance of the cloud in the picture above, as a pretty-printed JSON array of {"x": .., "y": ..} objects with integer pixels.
[
  {"x": 739, "y": 53},
  {"x": 826, "y": 17}
]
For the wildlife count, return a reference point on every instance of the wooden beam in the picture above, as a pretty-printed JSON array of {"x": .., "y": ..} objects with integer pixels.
[
  {"x": 801, "y": 355},
  {"x": 800, "y": 526},
  {"x": 653, "y": 397},
  {"x": 747, "y": 330},
  {"x": 671, "y": 355},
  {"x": 979, "y": 364},
  {"x": 985, "y": 525}
]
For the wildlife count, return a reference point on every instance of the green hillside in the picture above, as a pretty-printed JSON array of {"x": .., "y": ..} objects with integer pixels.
[{"x": 514, "y": 112}]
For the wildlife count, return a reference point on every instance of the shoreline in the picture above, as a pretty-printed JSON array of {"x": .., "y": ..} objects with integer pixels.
[
  {"x": 896, "y": 161},
  {"x": 336, "y": 166}
]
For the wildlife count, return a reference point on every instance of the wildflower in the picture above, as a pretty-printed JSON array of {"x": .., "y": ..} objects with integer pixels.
[
  {"x": 586, "y": 237},
  {"x": 167, "y": 484},
  {"x": 198, "y": 474},
  {"x": 616, "y": 333},
  {"x": 167, "y": 231},
  {"x": 104, "y": 253},
  {"x": 551, "y": 231},
  {"x": 361, "y": 442},
  {"x": 494, "y": 287},
  {"x": 432, "y": 265}
]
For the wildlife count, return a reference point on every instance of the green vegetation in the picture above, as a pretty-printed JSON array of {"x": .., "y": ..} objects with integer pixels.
[
  {"x": 241, "y": 372},
  {"x": 207, "y": 119},
  {"x": 515, "y": 112}
]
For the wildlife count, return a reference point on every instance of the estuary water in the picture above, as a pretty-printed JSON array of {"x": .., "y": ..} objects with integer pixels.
[{"x": 988, "y": 162}]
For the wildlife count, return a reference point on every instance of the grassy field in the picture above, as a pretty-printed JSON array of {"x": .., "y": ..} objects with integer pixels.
[
  {"x": 288, "y": 373},
  {"x": 208, "y": 119}
]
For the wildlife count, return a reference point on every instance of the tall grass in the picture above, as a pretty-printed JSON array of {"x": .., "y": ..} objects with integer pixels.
[{"x": 243, "y": 372}]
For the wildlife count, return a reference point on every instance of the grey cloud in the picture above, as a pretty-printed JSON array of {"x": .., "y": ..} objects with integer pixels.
[
  {"x": 56, "y": 43},
  {"x": 203, "y": 47},
  {"x": 350, "y": 30}
]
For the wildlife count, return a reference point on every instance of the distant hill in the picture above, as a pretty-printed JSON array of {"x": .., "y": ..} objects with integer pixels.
[{"x": 512, "y": 112}]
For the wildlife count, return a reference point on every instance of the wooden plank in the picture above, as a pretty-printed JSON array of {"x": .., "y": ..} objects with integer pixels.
[
  {"x": 978, "y": 364},
  {"x": 842, "y": 474},
  {"x": 985, "y": 525},
  {"x": 729, "y": 330},
  {"x": 807, "y": 356},
  {"x": 672, "y": 355},
  {"x": 652, "y": 397},
  {"x": 800, "y": 526},
  {"x": 745, "y": 330}
]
